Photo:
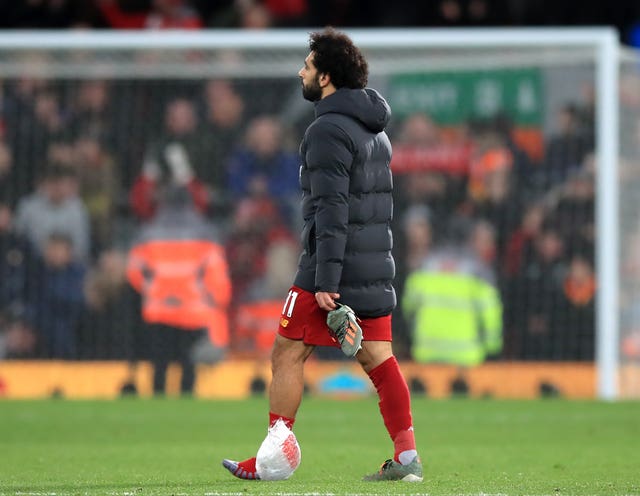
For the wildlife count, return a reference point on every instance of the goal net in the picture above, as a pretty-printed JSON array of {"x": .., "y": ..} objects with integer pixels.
[
  {"x": 629, "y": 227},
  {"x": 505, "y": 147}
]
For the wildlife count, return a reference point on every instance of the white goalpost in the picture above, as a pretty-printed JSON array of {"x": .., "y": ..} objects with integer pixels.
[{"x": 278, "y": 54}]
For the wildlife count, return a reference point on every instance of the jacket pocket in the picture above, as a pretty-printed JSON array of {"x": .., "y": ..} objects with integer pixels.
[{"x": 308, "y": 237}]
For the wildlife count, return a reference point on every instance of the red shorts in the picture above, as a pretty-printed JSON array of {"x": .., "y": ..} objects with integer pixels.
[{"x": 302, "y": 319}]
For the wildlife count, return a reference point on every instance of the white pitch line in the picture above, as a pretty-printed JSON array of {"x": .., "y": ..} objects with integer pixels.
[{"x": 216, "y": 493}]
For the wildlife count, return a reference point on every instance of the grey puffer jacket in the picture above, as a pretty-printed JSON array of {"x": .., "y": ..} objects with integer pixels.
[{"x": 347, "y": 203}]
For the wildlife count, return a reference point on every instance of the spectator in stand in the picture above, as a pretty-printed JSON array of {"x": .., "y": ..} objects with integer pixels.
[
  {"x": 249, "y": 241},
  {"x": 534, "y": 297},
  {"x": 491, "y": 162},
  {"x": 97, "y": 108},
  {"x": 55, "y": 298},
  {"x": 483, "y": 244},
  {"x": 180, "y": 269},
  {"x": 110, "y": 327},
  {"x": 281, "y": 263},
  {"x": 526, "y": 154},
  {"x": 33, "y": 118},
  {"x": 48, "y": 114},
  {"x": 253, "y": 15},
  {"x": 287, "y": 13},
  {"x": 483, "y": 13},
  {"x": 453, "y": 303},
  {"x": 17, "y": 339},
  {"x": 418, "y": 130},
  {"x": 574, "y": 319},
  {"x": 163, "y": 14},
  {"x": 16, "y": 259},
  {"x": 413, "y": 242},
  {"x": 263, "y": 167},
  {"x": 93, "y": 113},
  {"x": 178, "y": 158},
  {"x": 418, "y": 236},
  {"x": 257, "y": 318},
  {"x": 243, "y": 14},
  {"x": 519, "y": 247},
  {"x": 411, "y": 246},
  {"x": 223, "y": 110},
  {"x": 99, "y": 187},
  {"x": 494, "y": 196},
  {"x": 449, "y": 13},
  {"x": 574, "y": 212},
  {"x": 461, "y": 13},
  {"x": 55, "y": 207},
  {"x": 60, "y": 151},
  {"x": 568, "y": 146},
  {"x": 428, "y": 169}
]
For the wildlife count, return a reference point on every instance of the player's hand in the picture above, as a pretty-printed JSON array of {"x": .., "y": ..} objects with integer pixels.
[{"x": 326, "y": 301}]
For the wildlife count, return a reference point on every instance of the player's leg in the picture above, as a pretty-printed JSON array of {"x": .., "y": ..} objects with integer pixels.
[
  {"x": 287, "y": 383},
  {"x": 377, "y": 360},
  {"x": 285, "y": 393}
]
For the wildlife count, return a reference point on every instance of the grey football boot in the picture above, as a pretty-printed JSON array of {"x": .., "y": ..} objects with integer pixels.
[{"x": 394, "y": 471}]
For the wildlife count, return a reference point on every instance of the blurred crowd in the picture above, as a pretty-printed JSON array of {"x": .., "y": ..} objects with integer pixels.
[
  {"x": 102, "y": 182},
  {"x": 141, "y": 220},
  {"x": 260, "y": 14},
  {"x": 522, "y": 223},
  {"x": 86, "y": 179}
]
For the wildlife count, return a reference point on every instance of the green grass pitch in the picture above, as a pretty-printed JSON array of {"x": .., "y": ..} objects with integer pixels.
[{"x": 174, "y": 447}]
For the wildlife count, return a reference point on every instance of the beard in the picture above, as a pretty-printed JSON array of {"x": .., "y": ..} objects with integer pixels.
[{"x": 313, "y": 91}]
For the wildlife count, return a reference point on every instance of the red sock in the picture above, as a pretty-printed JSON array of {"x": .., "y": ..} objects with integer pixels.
[
  {"x": 287, "y": 421},
  {"x": 395, "y": 404},
  {"x": 247, "y": 469}
]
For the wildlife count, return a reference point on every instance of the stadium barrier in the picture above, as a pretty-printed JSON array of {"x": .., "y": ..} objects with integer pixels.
[{"x": 108, "y": 380}]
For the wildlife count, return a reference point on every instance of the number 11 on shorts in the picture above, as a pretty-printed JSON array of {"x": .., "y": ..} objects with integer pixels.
[{"x": 289, "y": 303}]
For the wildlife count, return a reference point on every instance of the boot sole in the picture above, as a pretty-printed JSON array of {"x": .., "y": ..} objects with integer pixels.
[{"x": 412, "y": 478}]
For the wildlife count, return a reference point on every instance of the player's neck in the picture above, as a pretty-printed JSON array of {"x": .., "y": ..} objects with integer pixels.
[{"x": 328, "y": 90}]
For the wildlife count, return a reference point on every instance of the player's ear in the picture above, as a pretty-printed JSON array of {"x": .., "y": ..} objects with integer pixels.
[{"x": 324, "y": 79}]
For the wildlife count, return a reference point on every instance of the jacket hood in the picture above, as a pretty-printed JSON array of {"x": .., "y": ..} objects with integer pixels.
[{"x": 366, "y": 105}]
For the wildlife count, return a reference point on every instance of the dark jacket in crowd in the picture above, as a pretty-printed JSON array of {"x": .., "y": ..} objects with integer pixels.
[
  {"x": 347, "y": 202},
  {"x": 16, "y": 258},
  {"x": 56, "y": 304}
]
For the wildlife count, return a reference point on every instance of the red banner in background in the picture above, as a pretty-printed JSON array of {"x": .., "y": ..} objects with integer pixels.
[{"x": 450, "y": 159}]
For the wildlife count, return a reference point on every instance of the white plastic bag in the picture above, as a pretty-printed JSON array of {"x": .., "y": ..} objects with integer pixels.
[{"x": 279, "y": 455}]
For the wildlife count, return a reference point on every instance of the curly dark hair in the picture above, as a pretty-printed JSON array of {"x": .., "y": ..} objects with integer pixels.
[{"x": 335, "y": 54}]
